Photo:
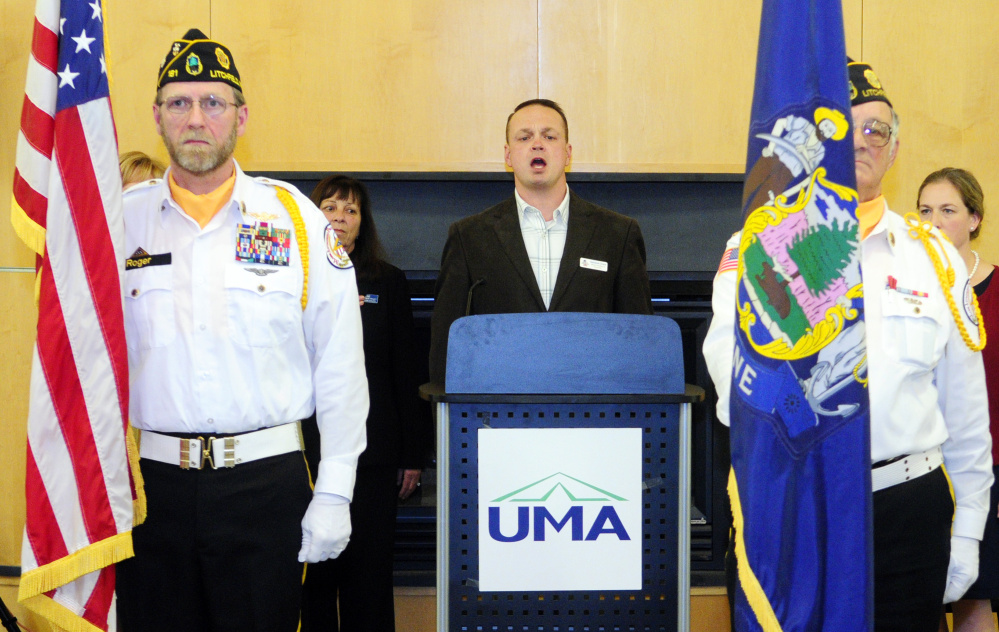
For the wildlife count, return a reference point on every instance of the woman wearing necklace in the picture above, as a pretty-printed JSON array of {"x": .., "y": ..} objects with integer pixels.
[{"x": 953, "y": 201}]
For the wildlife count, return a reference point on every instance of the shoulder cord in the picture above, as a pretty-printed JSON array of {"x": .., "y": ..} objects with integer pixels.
[
  {"x": 856, "y": 371},
  {"x": 301, "y": 236},
  {"x": 921, "y": 231}
]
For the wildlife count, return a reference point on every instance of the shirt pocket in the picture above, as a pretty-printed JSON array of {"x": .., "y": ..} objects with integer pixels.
[
  {"x": 913, "y": 333},
  {"x": 150, "y": 319},
  {"x": 262, "y": 304}
]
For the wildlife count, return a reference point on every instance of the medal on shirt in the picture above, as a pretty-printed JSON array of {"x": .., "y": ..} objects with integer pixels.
[
  {"x": 260, "y": 242},
  {"x": 893, "y": 285}
]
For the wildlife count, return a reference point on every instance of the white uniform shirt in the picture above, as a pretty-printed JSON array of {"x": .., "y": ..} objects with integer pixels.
[
  {"x": 218, "y": 345},
  {"x": 545, "y": 241},
  {"x": 927, "y": 388}
]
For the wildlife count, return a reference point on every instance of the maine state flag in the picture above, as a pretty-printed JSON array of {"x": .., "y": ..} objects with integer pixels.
[{"x": 801, "y": 471}]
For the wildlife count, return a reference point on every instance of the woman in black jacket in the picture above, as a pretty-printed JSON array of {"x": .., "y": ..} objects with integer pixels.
[{"x": 398, "y": 432}]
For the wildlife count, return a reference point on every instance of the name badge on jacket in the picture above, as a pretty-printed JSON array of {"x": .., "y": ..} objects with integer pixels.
[{"x": 592, "y": 264}]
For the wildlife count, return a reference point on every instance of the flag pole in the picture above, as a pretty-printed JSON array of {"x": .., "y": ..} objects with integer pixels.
[{"x": 7, "y": 619}]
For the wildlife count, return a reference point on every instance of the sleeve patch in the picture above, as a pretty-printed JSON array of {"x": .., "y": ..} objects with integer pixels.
[
  {"x": 336, "y": 254},
  {"x": 729, "y": 260},
  {"x": 969, "y": 303}
]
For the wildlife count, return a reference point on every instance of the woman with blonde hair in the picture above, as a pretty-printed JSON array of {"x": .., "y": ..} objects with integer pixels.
[{"x": 137, "y": 167}]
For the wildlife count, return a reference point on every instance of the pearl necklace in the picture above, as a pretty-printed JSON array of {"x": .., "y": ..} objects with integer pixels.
[{"x": 974, "y": 268}]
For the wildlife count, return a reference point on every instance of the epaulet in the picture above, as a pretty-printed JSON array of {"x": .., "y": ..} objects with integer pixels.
[
  {"x": 132, "y": 197},
  {"x": 142, "y": 186},
  {"x": 279, "y": 184},
  {"x": 932, "y": 241}
]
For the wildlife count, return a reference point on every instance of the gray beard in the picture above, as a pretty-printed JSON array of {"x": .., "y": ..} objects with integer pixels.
[{"x": 201, "y": 161}]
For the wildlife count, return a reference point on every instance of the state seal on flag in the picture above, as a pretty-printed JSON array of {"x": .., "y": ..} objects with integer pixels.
[{"x": 800, "y": 270}]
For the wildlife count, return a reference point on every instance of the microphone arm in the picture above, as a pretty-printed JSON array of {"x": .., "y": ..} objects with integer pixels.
[{"x": 468, "y": 302}]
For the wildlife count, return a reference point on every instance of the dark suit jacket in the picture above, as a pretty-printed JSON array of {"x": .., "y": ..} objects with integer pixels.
[
  {"x": 398, "y": 421},
  {"x": 490, "y": 247}
]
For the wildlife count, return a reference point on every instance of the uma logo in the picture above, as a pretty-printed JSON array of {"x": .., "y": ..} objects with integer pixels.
[{"x": 588, "y": 511}]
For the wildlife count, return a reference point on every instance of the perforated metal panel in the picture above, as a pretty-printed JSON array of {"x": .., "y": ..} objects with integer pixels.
[{"x": 653, "y": 608}]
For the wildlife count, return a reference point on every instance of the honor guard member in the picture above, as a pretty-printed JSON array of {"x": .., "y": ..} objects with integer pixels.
[
  {"x": 928, "y": 414},
  {"x": 241, "y": 318}
]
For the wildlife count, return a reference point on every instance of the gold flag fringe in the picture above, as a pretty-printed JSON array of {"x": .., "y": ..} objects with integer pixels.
[
  {"x": 755, "y": 594},
  {"x": 139, "y": 504},
  {"x": 60, "y": 617},
  {"x": 75, "y": 565},
  {"x": 30, "y": 231}
]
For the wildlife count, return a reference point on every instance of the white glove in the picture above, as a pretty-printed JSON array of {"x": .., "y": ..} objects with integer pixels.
[
  {"x": 326, "y": 528},
  {"x": 963, "y": 569}
]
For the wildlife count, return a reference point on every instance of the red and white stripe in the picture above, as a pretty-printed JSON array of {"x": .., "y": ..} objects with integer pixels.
[
  {"x": 79, "y": 492},
  {"x": 729, "y": 261}
]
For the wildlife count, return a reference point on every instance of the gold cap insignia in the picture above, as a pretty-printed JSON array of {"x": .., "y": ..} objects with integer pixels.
[
  {"x": 222, "y": 57},
  {"x": 873, "y": 78}
]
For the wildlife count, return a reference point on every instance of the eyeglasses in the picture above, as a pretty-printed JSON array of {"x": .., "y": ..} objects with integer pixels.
[
  {"x": 876, "y": 133},
  {"x": 211, "y": 105}
]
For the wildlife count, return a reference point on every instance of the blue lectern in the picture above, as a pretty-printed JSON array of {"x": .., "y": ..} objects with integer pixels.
[{"x": 564, "y": 488}]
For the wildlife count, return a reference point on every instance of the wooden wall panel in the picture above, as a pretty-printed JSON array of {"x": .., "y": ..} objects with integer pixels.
[
  {"x": 17, "y": 330},
  {"x": 938, "y": 63},
  {"x": 662, "y": 86},
  {"x": 853, "y": 22},
  {"x": 391, "y": 85},
  {"x": 656, "y": 86}
]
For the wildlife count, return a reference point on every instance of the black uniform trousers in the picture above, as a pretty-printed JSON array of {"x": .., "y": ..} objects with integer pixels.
[
  {"x": 218, "y": 551},
  {"x": 912, "y": 523},
  {"x": 360, "y": 579}
]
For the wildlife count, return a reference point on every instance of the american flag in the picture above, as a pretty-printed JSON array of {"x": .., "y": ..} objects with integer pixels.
[
  {"x": 729, "y": 260},
  {"x": 79, "y": 489}
]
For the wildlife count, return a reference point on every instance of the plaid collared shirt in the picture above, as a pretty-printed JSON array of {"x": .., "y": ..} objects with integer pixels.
[{"x": 545, "y": 241}]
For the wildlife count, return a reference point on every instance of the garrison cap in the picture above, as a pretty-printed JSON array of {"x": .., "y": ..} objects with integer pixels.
[
  {"x": 864, "y": 84},
  {"x": 194, "y": 57}
]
